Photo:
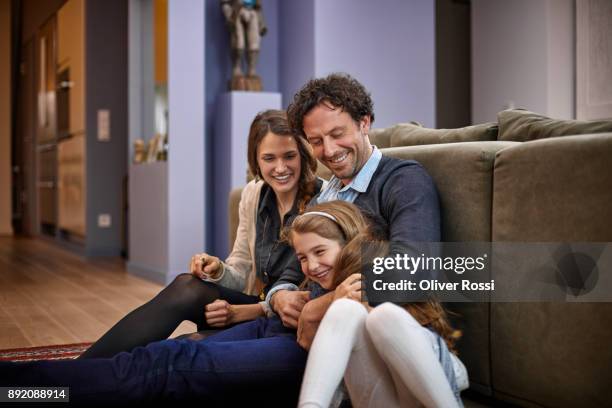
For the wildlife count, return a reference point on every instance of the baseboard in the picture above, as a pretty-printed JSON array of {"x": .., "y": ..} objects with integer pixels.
[{"x": 146, "y": 273}]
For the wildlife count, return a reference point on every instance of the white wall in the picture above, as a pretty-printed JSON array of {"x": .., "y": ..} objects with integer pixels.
[
  {"x": 522, "y": 56},
  {"x": 5, "y": 119}
]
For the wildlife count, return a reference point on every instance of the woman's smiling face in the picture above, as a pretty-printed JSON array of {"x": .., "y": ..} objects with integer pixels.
[
  {"x": 317, "y": 256},
  {"x": 279, "y": 162}
]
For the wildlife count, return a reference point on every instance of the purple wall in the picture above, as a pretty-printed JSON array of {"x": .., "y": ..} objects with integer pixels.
[
  {"x": 187, "y": 192},
  {"x": 218, "y": 64},
  {"x": 389, "y": 45},
  {"x": 297, "y": 46},
  {"x": 218, "y": 73}
]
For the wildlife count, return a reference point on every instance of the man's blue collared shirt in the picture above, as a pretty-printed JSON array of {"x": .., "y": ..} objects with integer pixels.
[{"x": 335, "y": 190}]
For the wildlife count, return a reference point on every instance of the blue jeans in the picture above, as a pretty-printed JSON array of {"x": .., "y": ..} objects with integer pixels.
[{"x": 256, "y": 362}]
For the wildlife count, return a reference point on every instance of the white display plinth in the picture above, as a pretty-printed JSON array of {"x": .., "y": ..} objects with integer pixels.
[{"x": 236, "y": 111}]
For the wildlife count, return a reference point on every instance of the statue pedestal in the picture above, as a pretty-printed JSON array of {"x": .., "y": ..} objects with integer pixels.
[
  {"x": 235, "y": 112},
  {"x": 246, "y": 83}
]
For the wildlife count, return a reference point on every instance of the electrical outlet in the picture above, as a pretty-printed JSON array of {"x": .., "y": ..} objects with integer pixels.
[{"x": 104, "y": 220}]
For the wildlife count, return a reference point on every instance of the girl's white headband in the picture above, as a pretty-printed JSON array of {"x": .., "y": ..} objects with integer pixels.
[{"x": 322, "y": 214}]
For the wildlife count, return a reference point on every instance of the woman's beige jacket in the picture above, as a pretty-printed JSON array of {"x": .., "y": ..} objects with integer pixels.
[{"x": 238, "y": 270}]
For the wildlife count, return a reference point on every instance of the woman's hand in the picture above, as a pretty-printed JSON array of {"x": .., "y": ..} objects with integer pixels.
[
  {"x": 219, "y": 313},
  {"x": 205, "y": 266},
  {"x": 350, "y": 288}
]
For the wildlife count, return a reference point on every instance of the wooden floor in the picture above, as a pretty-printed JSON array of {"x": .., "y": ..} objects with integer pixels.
[{"x": 49, "y": 295}]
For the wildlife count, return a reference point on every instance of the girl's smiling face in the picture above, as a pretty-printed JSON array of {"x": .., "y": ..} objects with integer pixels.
[{"x": 317, "y": 256}]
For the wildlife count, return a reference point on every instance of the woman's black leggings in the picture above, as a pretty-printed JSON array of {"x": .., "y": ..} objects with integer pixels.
[{"x": 184, "y": 299}]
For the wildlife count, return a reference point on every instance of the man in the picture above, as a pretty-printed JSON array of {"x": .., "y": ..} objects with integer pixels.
[{"x": 335, "y": 114}]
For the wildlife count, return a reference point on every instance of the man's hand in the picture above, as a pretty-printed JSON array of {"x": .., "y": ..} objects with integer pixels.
[
  {"x": 289, "y": 304},
  {"x": 350, "y": 288},
  {"x": 307, "y": 328},
  {"x": 219, "y": 313},
  {"x": 311, "y": 317},
  {"x": 205, "y": 266}
]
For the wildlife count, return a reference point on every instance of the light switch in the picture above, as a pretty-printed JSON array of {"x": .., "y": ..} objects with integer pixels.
[
  {"x": 103, "y": 125},
  {"x": 104, "y": 220}
]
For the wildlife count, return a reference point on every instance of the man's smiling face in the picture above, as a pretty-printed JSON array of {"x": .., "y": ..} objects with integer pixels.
[{"x": 340, "y": 143}]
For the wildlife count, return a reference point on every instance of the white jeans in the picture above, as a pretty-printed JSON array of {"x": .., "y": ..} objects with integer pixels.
[{"x": 386, "y": 357}]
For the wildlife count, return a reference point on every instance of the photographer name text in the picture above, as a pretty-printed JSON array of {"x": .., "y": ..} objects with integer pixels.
[{"x": 433, "y": 285}]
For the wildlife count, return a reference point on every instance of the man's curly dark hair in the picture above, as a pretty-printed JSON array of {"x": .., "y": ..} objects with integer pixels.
[{"x": 339, "y": 90}]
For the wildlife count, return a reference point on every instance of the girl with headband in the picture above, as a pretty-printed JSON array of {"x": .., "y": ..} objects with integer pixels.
[{"x": 389, "y": 356}]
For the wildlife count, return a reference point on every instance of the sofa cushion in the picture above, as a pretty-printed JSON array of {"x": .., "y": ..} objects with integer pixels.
[
  {"x": 463, "y": 174},
  {"x": 553, "y": 190},
  {"x": 412, "y": 134},
  {"x": 323, "y": 171},
  {"x": 522, "y": 125},
  {"x": 381, "y": 138},
  {"x": 232, "y": 212}
]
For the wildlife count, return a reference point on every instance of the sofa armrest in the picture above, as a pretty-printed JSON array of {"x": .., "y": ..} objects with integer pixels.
[{"x": 232, "y": 212}]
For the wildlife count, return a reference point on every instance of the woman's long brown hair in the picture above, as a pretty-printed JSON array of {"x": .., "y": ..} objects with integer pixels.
[{"x": 359, "y": 250}]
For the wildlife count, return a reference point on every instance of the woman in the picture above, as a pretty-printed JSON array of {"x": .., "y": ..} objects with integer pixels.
[{"x": 218, "y": 294}]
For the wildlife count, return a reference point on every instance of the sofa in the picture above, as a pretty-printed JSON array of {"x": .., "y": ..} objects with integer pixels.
[{"x": 526, "y": 178}]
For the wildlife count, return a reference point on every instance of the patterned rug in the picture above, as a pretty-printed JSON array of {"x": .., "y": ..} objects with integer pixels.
[{"x": 60, "y": 352}]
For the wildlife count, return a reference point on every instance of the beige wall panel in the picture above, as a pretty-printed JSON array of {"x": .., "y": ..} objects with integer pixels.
[
  {"x": 160, "y": 44},
  {"x": 71, "y": 185},
  {"x": 5, "y": 118},
  {"x": 71, "y": 54}
]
